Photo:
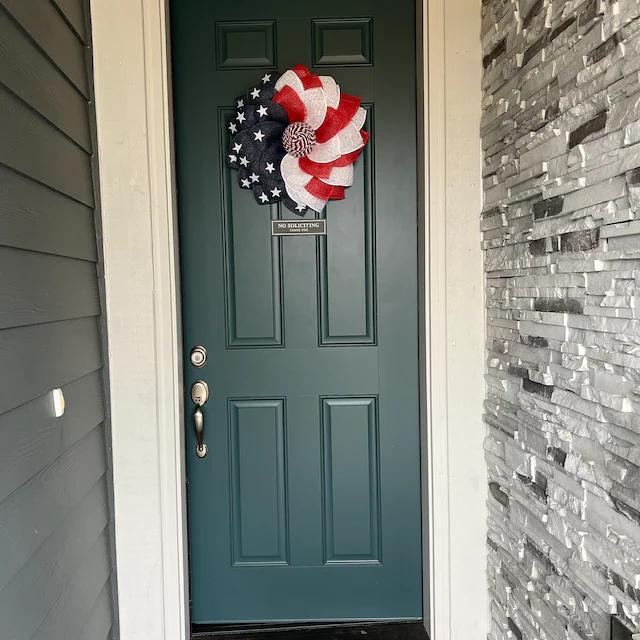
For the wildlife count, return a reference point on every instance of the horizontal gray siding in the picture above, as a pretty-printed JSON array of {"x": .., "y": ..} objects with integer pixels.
[
  {"x": 56, "y": 562},
  {"x": 43, "y": 21},
  {"x": 39, "y": 219},
  {"x": 30, "y": 75}
]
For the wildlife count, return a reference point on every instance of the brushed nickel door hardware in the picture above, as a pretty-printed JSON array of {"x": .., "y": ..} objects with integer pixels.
[
  {"x": 199, "y": 396},
  {"x": 198, "y": 356}
]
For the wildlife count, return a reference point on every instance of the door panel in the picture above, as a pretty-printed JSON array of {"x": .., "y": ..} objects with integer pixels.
[
  {"x": 307, "y": 507},
  {"x": 346, "y": 264},
  {"x": 258, "y": 482},
  {"x": 351, "y": 469},
  {"x": 253, "y": 276}
]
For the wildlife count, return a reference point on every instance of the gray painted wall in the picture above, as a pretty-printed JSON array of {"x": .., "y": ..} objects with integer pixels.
[{"x": 56, "y": 563}]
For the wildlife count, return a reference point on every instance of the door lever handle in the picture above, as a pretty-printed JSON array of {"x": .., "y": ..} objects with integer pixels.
[
  {"x": 198, "y": 423},
  {"x": 199, "y": 396}
]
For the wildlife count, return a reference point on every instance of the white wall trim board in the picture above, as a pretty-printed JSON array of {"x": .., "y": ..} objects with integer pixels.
[
  {"x": 435, "y": 434},
  {"x": 469, "y": 614},
  {"x": 141, "y": 285},
  {"x": 133, "y": 103},
  {"x": 454, "y": 316}
]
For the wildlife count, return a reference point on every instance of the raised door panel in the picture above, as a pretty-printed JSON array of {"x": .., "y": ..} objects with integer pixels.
[
  {"x": 346, "y": 266},
  {"x": 346, "y": 42},
  {"x": 258, "y": 482},
  {"x": 351, "y": 480},
  {"x": 246, "y": 45},
  {"x": 253, "y": 282}
]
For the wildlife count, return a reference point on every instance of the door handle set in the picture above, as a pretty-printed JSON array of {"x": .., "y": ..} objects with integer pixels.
[{"x": 199, "y": 396}]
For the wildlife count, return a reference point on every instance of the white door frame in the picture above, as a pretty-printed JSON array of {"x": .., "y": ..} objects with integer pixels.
[{"x": 139, "y": 237}]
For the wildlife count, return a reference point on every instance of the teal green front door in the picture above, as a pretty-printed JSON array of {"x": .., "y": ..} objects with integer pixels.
[{"x": 307, "y": 504}]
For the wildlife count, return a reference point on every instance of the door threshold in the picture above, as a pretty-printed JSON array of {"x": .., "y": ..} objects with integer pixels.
[{"x": 413, "y": 630}]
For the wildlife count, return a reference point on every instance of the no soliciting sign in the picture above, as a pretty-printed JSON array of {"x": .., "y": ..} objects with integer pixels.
[{"x": 298, "y": 227}]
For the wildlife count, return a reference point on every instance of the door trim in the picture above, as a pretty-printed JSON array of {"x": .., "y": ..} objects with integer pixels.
[{"x": 139, "y": 237}]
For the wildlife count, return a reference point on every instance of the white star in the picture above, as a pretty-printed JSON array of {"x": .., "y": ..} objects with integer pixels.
[
  {"x": 266, "y": 78},
  {"x": 244, "y": 162},
  {"x": 262, "y": 111},
  {"x": 245, "y": 184},
  {"x": 240, "y": 104},
  {"x": 233, "y": 158},
  {"x": 264, "y": 197},
  {"x": 276, "y": 192},
  {"x": 300, "y": 207},
  {"x": 254, "y": 178},
  {"x": 240, "y": 117},
  {"x": 232, "y": 127},
  {"x": 258, "y": 135},
  {"x": 270, "y": 168},
  {"x": 255, "y": 93},
  {"x": 237, "y": 147}
]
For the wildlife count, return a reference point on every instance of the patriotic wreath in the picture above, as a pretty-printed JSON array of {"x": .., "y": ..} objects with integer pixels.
[{"x": 294, "y": 139}]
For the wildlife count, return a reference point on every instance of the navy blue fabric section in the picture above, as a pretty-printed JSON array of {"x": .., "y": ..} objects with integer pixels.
[{"x": 256, "y": 149}]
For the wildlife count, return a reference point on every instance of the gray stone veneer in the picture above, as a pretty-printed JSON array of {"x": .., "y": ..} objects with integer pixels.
[{"x": 561, "y": 235}]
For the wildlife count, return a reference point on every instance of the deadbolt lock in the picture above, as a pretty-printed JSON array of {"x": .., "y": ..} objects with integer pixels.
[{"x": 198, "y": 356}]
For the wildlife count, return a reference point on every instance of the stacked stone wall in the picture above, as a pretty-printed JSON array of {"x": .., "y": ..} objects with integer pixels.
[{"x": 561, "y": 236}]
